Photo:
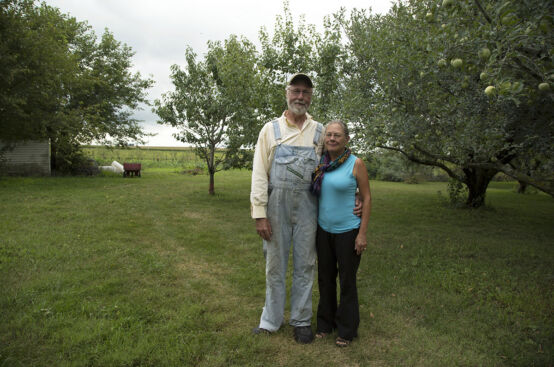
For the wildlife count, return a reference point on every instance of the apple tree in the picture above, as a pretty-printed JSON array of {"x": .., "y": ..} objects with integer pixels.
[
  {"x": 416, "y": 81},
  {"x": 512, "y": 50}
]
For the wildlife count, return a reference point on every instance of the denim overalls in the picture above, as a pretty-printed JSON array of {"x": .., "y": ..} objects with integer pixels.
[{"x": 292, "y": 213}]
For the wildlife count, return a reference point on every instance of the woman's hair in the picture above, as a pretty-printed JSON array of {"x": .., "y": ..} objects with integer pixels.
[{"x": 342, "y": 124}]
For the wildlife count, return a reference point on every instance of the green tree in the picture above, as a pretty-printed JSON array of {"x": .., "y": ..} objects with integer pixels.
[
  {"x": 60, "y": 83},
  {"x": 34, "y": 67},
  {"x": 328, "y": 67},
  {"x": 518, "y": 37},
  {"x": 215, "y": 103},
  {"x": 289, "y": 50},
  {"x": 415, "y": 86},
  {"x": 298, "y": 47}
]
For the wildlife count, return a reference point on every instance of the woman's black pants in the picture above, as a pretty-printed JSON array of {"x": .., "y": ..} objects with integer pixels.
[{"x": 336, "y": 254}]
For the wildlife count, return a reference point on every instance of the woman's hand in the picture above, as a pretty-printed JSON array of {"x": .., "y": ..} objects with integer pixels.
[{"x": 360, "y": 244}]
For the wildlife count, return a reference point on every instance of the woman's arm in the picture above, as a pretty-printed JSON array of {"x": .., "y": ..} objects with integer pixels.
[{"x": 360, "y": 173}]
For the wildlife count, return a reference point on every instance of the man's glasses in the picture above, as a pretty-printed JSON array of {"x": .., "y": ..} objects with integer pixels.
[{"x": 296, "y": 92}]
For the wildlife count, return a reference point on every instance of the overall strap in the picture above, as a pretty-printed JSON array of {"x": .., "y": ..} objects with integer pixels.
[
  {"x": 317, "y": 135},
  {"x": 277, "y": 131}
]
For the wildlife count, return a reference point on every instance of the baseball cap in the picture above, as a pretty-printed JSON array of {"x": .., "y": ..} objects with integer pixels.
[{"x": 301, "y": 76}]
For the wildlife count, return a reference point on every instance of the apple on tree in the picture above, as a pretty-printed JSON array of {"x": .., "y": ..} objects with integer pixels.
[
  {"x": 484, "y": 53},
  {"x": 509, "y": 19},
  {"x": 457, "y": 63},
  {"x": 505, "y": 87},
  {"x": 490, "y": 90},
  {"x": 544, "y": 87}
]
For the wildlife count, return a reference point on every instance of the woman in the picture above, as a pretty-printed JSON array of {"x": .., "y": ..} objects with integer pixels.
[{"x": 341, "y": 235}]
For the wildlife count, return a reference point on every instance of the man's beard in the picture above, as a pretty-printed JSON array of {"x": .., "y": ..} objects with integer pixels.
[{"x": 297, "y": 109}]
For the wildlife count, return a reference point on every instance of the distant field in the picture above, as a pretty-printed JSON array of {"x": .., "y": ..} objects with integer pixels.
[
  {"x": 153, "y": 271},
  {"x": 149, "y": 157}
]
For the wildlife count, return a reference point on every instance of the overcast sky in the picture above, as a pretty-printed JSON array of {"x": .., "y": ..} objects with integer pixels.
[{"x": 159, "y": 31}]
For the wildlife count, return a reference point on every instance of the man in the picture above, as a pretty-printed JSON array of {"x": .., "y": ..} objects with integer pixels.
[{"x": 285, "y": 211}]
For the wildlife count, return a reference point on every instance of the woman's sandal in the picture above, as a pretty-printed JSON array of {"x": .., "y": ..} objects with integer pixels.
[
  {"x": 321, "y": 334},
  {"x": 341, "y": 343}
]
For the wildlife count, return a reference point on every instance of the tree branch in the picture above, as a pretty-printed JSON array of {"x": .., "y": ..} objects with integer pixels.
[
  {"x": 426, "y": 162},
  {"x": 528, "y": 70},
  {"x": 435, "y": 157},
  {"x": 478, "y": 3}
]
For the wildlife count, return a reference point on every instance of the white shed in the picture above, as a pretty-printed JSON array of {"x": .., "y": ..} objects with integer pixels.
[{"x": 27, "y": 158}]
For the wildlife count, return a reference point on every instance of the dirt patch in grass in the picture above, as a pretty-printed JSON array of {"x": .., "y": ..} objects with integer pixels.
[
  {"x": 208, "y": 272},
  {"x": 193, "y": 215}
]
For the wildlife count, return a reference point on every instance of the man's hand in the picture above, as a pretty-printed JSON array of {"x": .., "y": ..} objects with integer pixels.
[
  {"x": 263, "y": 228},
  {"x": 358, "y": 204}
]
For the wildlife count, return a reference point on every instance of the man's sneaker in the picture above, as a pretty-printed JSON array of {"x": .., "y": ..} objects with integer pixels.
[
  {"x": 303, "y": 334},
  {"x": 259, "y": 330}
]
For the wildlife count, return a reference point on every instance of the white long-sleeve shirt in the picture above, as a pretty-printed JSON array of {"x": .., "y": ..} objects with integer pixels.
[{"x": 263, "y": 156}]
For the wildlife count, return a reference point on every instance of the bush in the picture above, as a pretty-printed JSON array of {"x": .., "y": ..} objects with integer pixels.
[
  {"x": 86, "y": 167},
  {"x": 69, "y": 159},
  {"x": 413, "y": 179}
]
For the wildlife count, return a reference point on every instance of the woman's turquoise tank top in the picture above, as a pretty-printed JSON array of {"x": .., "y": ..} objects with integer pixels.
[{"x": 336, "y": 201}]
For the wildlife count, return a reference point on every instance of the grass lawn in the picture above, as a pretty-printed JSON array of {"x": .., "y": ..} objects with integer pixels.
[{"x": 153, "y": 271}]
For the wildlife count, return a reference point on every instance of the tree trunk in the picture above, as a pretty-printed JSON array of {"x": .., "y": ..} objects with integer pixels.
[
  {"x": 477, "y": 181},
  {"x": 212, "y": 190},
  {"x": 53, "y": 153},
  {"x": 522, "y": 187}
]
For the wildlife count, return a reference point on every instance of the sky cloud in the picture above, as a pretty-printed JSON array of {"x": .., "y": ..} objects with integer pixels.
[{"x": 159, "y": 31}]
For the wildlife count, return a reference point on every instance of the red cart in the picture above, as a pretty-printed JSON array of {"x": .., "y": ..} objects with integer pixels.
[{"x": 131, "y": 169}]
